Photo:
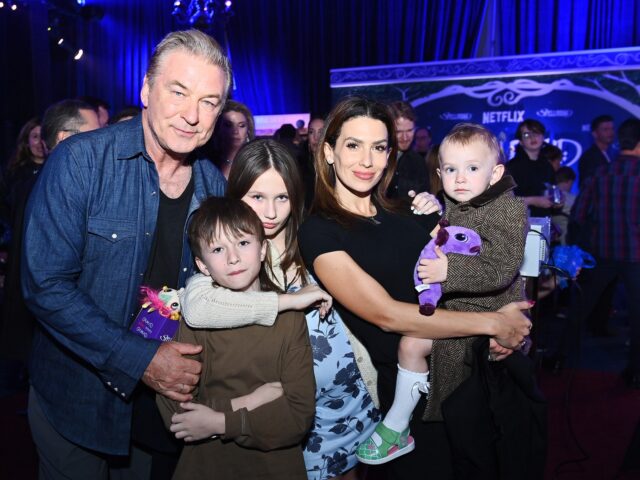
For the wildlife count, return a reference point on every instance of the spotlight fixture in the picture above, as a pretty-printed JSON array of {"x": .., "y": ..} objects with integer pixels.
[
  {"x": 60, "y": 41},
  {"x": 14, "y": 7},
  {"x": 78, "y": 54},
  {"x": 201, "y": 13},
  {"x": 1, "y": 4}
]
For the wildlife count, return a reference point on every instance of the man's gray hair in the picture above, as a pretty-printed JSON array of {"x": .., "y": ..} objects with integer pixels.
[
  {"x": 194, "y": 42},
  {"x": 63, "y": 116}
]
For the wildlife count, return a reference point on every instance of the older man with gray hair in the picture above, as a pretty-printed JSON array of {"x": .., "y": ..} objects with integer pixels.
[{"x": 107, "y": 215}]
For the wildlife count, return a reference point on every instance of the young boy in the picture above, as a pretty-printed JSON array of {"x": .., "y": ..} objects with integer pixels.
[
  {"x": 256, "y": 398},
  {"x": 477, "y": 196}
]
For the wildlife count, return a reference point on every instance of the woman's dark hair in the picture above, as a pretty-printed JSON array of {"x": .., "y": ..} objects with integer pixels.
[
  {"x": 325, "y": 201},
  {"x": 233, "y": 218},
  {"x": 253, "y": 160},
  {"x": 22, "y": 154}
]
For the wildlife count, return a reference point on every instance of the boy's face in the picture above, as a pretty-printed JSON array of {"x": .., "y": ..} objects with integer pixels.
[
  {"x": 233, "y": 263},
  {"x": 467, "y": 170},
  {"x": 566, "y": 185}
]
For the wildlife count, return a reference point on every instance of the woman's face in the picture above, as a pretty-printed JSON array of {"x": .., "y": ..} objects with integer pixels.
[
  {"x": 235, "y": 128},
  {"x": 360, "y": 156},
  {"x": 313, "y": 132},
  {"x": 269, "y": 198},
  {"x": 36, "y": 145}
]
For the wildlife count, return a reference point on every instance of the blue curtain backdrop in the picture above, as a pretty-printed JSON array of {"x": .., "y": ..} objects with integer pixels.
[{"x": 282, "y": 50}]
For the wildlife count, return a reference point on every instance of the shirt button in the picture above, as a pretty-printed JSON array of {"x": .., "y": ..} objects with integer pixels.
[
  {"x": 153, "y": 193},
  {"x": 122, "y": 394},
  {"x": 115, "y": 388},
  {"x": 146, "y": 233},
  {"x": 359, "y": 359},
  {"x": 109, "y": 383},
  {"x": 114, "y": 235},
  {"x": 369, "y": 382},
  {"x": 184, "y": 269}
]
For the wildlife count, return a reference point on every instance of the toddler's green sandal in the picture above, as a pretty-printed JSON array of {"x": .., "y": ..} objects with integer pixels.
[{"x": 394, "y": 444}]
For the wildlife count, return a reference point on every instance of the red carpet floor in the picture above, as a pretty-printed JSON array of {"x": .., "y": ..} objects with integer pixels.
[{"x": 602, "y": 411}]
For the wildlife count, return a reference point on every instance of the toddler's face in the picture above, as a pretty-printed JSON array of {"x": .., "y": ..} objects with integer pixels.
[
  {"x": 233, "y": 262},
  {"x": 467, "y": 170}
]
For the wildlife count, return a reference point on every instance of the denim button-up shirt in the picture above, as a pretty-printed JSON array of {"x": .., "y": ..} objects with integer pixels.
[{"x": 89, "y": 227}]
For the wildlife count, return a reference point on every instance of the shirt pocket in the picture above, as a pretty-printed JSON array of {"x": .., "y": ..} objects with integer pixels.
[{"x": 111, "y": 243}]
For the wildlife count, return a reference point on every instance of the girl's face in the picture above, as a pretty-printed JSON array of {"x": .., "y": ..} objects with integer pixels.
[
  {"x": 269, "y": 198},
  {"x": 314, "y": 131},
  {"x": 359, "y": 158},
  {"x": 235, "y": 128},
  {"x": 36, "y": 145},
  {"x": 233, "y": 262}
]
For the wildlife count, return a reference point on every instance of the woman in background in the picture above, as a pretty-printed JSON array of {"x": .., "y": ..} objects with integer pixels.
[{"x": 235, "y": 128}]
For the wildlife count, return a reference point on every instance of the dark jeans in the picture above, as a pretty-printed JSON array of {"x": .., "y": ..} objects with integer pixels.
[{"x": 585, "y": 298}]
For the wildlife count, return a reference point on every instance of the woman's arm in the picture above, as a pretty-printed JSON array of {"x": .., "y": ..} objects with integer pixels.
[{"x": 361, "y": 294}]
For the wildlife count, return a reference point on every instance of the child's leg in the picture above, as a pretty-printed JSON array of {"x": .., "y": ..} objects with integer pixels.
[
  {"x": 411, "y": 380},
  {"x": 391, "y": 438}
]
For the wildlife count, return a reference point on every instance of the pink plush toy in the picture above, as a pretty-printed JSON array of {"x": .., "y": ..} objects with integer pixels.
[{"x": 450, "y": 239}]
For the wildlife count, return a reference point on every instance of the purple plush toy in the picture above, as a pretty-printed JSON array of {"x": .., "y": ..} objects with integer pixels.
[{"x": 450, "y": 239}]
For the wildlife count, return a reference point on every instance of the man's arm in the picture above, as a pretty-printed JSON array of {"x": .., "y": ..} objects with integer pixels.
[{"x": 54, "y": 257}]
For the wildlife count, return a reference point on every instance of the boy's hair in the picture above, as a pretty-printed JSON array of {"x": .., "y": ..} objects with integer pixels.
[
  {"x": 465, "y": 133},
  {"x": 532, "y": 125},
  {"x": 565, "y": 174},
  {"x": 231, "y": 217},
  {"x": 629, "y": 134}
]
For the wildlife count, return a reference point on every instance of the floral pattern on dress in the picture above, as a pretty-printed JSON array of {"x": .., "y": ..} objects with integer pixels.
[{"x": 345, "y": 413}]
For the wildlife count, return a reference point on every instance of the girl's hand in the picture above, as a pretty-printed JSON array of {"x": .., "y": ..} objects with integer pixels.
[
  {"x": 311, "y": 295},
  {"x": 198, "y": 422},
  {"x": 424, "y": 203},
  {"x": 263, "y": 394},
  {"x": 434, "y": 270}
]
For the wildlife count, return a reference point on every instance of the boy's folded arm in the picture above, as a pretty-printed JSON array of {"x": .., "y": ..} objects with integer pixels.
[
  {"x": 286, "y": 420},
  {"x": 500, "y": 259},
  {"x": 206, "y": 306}
]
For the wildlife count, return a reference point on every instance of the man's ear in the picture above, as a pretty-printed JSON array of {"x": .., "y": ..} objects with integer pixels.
[
  {"x": 144, "y": 93},
  {"x": 328, "y": 153},
  {"x": 202, "y": 267},
  {"x": 62, "y": 134},
  {"x": 497, "y": 173}
]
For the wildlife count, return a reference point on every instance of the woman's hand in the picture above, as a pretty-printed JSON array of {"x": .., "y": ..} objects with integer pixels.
[
  {"x": 310, "y": 295},
  {"x": 424, "y": 203},
  {"x": 512, "y": 325},
  {"x": 497, "y": 352},
  {"x": 197, "y": 422}
]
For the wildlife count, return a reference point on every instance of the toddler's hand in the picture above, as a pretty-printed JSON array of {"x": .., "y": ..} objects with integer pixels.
[{"x": 434, "y": 270}]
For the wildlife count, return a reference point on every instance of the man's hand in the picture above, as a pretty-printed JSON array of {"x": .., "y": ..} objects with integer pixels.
[
  {"x": 172, "y": 375},
  {"x": 197, "y": 422},
  {"x": 434, "y": 270},
  {"x": 539, "y": 201},
  {"x": 424, "y": 203}
]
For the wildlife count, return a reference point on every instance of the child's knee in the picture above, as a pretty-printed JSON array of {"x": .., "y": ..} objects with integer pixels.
[{"x": 412, "y": 350}]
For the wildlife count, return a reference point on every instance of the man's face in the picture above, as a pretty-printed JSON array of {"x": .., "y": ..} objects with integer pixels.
[
  {"x": 405, "y": 129},
  {"x": 181, "y": 104},
  {"x": 604, "y": 133},
  {"x": 423, "y": 140}
]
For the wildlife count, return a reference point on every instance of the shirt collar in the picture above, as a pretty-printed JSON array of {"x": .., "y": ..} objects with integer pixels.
[{"x": 131, "y": 139}]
